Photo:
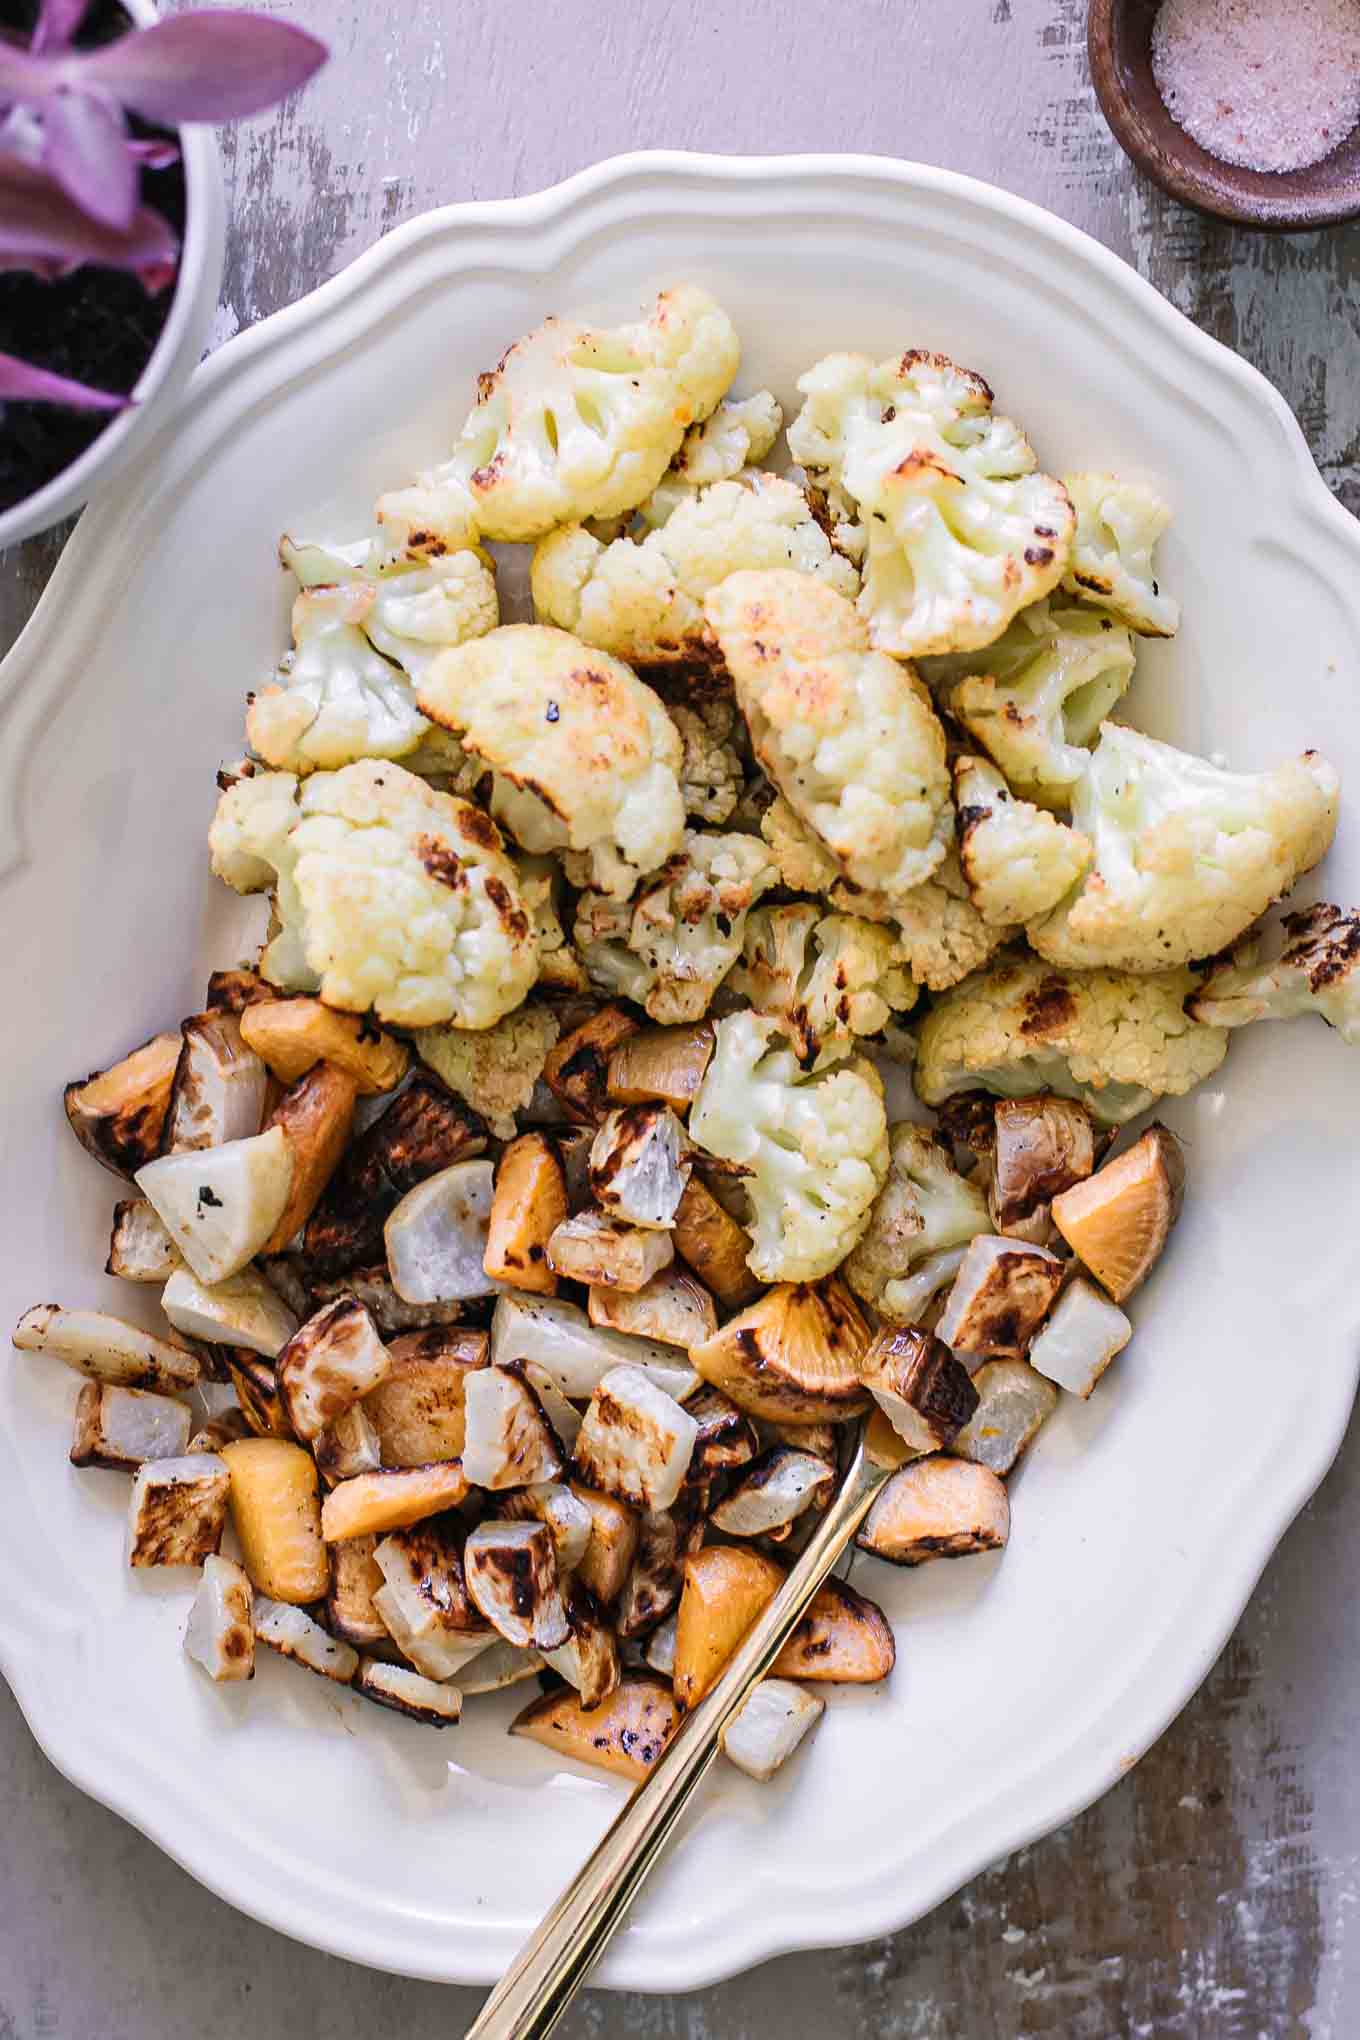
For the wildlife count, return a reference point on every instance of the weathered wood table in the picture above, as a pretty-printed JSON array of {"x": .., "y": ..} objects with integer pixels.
[{"x": 1214, "y": 1892}]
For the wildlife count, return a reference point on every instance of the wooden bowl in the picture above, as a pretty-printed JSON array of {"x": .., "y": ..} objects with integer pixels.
[{"x": 1279, "y": 201}]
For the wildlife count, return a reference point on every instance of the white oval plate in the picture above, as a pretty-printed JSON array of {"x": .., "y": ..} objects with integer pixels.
[{"x": 1024, "y": 1688}]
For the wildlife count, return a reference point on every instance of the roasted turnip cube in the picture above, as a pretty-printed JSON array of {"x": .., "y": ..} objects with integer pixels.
[
  {"x": 221, "y": 1204},
  {"x": 937, "y": 1508},
  {"x": 220, "y": 1634},
  {"x": 666, "y": 1538},
  {"x": 589, "y": 1659},
  {"x": 614, "y": 1533},
  {"x": 118, "y": 1114},
  {"x": 559, "y": 1337},
  {"x": 1001, "y": 1295},
  {"x": 178, "y": 1510},
  {"x": 565, "y": 1514},
  {"x": 496, "y": 1665},
  {"x": 1013, "y": 1402},
  {"x": 220, "y": 1085},
  {"x": 121, "y": 1427},
  {"x": 768, "y": 1727},
  {"x": 727, "y": 1437},
  {"x": 508, "y": 1441},
  {"x": 924, "y": 1392},
  {"x": 292, "y": 1632},
  {"x": 1081, "y": 1338},
  {"x": 418, "y": 1408},
  {"x": 596, "y": 1249},
  {"x": 660, "y": 1651},
  {"x": 391, "y": 1500},
  {"x": 408, "y": 1692},
  {"x": 257, "y": 1391},
  {"x": 436, "y": 1237},
  {"x": 105, "y": 1348},
  {"x": 242, "y": 1311},
  {"x": 636, "y": 1441},
  {"x": 347, "y": 1447},
  {"x": 140, "y": 1249},
  {"x": 774, "y": 1492},
  {"x": 330, "y": 1362},
  {"x": 424, "y": 1599},
  {"x": 673, "y": 1308},
  {"x": 355, "y": 1578},
  {"x": 638, "y": 1169},
  {"x": 511, "y": 1571}
]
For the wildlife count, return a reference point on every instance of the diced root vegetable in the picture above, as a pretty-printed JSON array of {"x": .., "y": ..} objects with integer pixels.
[
  {"x": 221, "y": 1204},
  {"x": 559, "y": 1337},
  {"x": 276, "y": 1514},
  {"x": 372, "y": 1287},
  {"x": 410, "y": 1693},
  {"x": 424, "y": 1599},
  {"x": 529, "y": 1203},
  {"x": 660, "y": 1651},
  {"x": 347, "y": 1447},
  {"x": 140, "y": 1249},
  {"x": 242, "y": 1311},
  {"x": 796, "y": 1354},
  {"x": 1118, "y": 1221},
  {"x": 666, "y": 1537},
  {"x": 589, "y": 1659},
  {"x": 391, "y": 1500},
  {"x": 626, "y": 1735},
  {"x": 714, "y": 1246},
  {"x": 220, "y": 1634},
  {"x": 219, "y": 1089},
  {"x": 725, "y": 1590},
  {"x": 437, "y": 1236},
  {"x": 508, "y": 1441},
  {"x": 1013, "y": 1402},
  {"x": 121, "y": 1427},
  {"x": 773, "y": 1493},
  {"x": 257, "y": 1391},
  {"x": 355, "y": 1577},
  {"x": 1001, "y": 1295},
  {"x": 419, "y": 1134},
  {"x": 924, "y": 1392},
  {"x": 292, "y": 1035},
  {"x": 118, "y": 1114},
  {"x": 769, "y": 1725},
  {"x": 178, "y": 1510},
  {"x": 596, "y": 1249},
  {"x": 673, "y": 1308},
  {"x": 636, "y": 1441},
  {"x": 328, "y": 1364},
  {"x": 637, "y": 1167},
  {"x": 614, "y": 1533},
  {"x": 511, "y": 1571},
  {"x": 292, "y": 1632},
  {"x": 566, "y": 1515},
  {"x": 727, "y": 1437},
  {"x": 106, "y": 1349},
  {"x": 231, "y": 991},
  {"x": 937, "y": 1508},
  {"x": 665, "y": 1063},
  {"x": 1081, "y": 1338},
  {"x": 576, "y": 1071},
  {"x": 844, "y": 1638},
  {"x": 1043, "y": 1146},
  {"x": 497, "y": 1665},
  {"x": 316, "y": 1115},
  {"x": 418, "y": 1409}
]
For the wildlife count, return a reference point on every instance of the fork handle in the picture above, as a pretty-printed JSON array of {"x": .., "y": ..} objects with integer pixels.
[{"x": 540, "y": 1983}]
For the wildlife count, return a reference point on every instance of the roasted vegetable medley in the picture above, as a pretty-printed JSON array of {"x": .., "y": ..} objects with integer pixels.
[{"x": 527, "y": 1222}]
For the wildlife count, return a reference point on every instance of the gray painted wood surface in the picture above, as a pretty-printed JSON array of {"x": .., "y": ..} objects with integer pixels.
[{"x": 1215, "y": 1891}]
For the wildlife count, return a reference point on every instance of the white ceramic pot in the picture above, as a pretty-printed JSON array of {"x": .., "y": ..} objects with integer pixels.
[{"x": 177, "y": 351}]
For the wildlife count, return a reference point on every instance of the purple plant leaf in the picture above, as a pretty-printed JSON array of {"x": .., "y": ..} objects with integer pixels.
[
  {"x": 42, "y": 229},
  {"x": 85, "y": 148},
  {"x": 21, "y": 382},
  {"x": 58, "y": 21},
  {"x": 201, "y": 67}
]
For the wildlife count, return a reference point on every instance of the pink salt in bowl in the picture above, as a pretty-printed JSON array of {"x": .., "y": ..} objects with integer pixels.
[{"x": 1323, "y": 194}]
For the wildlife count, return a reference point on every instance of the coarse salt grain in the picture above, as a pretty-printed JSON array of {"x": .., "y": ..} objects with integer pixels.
[{"x": 1269, "y": 84}]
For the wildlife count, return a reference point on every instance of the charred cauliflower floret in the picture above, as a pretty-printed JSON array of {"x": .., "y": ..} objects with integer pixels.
[
  {"x": 494, "y": 1070},
  {"x": 824, "y": 977},
  {"x": 363, "y": 628},
  {"x": 584, "y": 757},
  {"x": 737, "y": 435},
  {"x": 643, "y": 599},
  {"x": 960, "y": 529},
  {"x": 1186, "y": 855},
  {"x": 1118, "y": 525},
  {"x": 1018, "y": 860},
  {"x": 847, "y": 734},
  {"x": 712, "y": 776},
  {"x": 925, "y": 1208},
  {"x": 816, "y": 1146},
  {"x": 1317, "y": 971},
  {"x": 393, "y": 898},
  {"x": 1115, "y": 1041},
  {"x": 573, "y": 422},
  {"x": 671, "y": 947},
  {"x": 1036, "y": 698}
]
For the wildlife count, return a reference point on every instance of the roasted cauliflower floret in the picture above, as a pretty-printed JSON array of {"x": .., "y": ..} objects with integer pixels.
[
  {"x": 362, "y": 630},
  {"x": 583, "y": 756},
  {"x": 737, "y": 435},
  {"x": 712, "y": 776},
  {"x": 1115, "y": 1041},
  {"x": 1317, "y": 971},
  {"x": 541, "y": 886},
  {"x": 392, "y": 897},
  {"x": 816, "y": 1146},
  {"x": 824, "y": 977},
  {"x": 671, "y": 947},
  {"x": 1186, "y": 854},
  {"x": 1118, "y": 525},
  {"x": 925, "y": 1207},
  {"x": 960, "y": 529},
  {"x": 643, "y": 599},
  {"x": 1018, "y": 860},
  {"x": 494, "y": 1071},
  {"x": 573, "y": 422},
  {"x": 847, "y": 734},
  {"x": 1036, "y": 698}
]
